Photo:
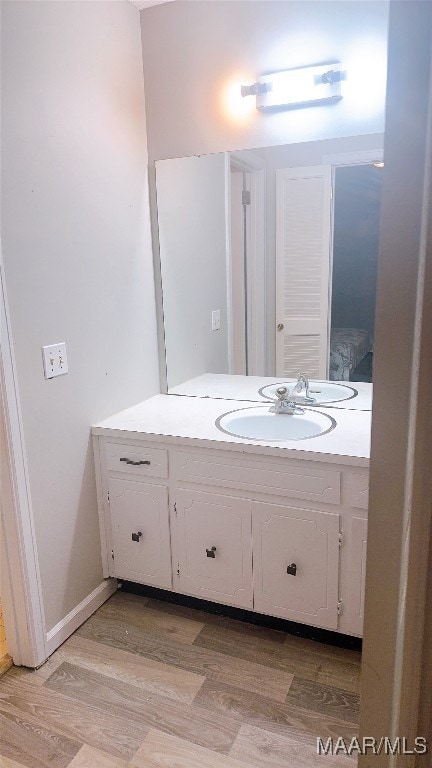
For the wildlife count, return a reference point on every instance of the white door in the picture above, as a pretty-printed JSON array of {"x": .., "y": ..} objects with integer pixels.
[
  {"x": 296, "y": 563},
  {"x": 213, "y": 547},
  {"x": 140, "y": 532},
  {"x": 303, "y": 217},
  {"x": 192, "y": 218}
]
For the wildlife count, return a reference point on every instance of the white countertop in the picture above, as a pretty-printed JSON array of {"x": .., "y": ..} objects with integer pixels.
[
  {"x": 234, "y": 387},
  {"x": 191, "y": 421}
]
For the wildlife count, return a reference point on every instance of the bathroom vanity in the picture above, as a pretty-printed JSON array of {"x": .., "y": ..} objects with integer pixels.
[
  {"x": 278, "y": 527},
  {"x": 202, "y": 491}
]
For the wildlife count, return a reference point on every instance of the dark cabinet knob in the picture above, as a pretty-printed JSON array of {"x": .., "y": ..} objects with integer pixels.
[
  {"x": 211, "y": 552},
  {"x": 136, "y": 536},
  {"x": 134, "y": 463},
  {"x": 292, "y": 569}
]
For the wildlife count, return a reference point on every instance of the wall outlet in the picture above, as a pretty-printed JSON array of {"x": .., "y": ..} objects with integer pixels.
[
  {"x": 216, "y": 320},
  {"x": 55, "y": 360}
]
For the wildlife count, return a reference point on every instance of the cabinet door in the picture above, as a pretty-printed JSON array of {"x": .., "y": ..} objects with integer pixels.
[
  {"x": 140, "y": 532},
  {"x": 296, "y": 563},
  {"x": 357, "y": 574},
  {"x": 213, "y": 545}
]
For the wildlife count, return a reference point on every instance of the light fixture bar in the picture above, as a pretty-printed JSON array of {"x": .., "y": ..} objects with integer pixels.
[{"x": 295, "y": 88}]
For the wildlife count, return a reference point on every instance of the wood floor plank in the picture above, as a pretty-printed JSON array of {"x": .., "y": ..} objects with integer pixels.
[
  {"x": 38, "y": 676},
  {"x": 166, "y": 686},
  {"x": 142, "y": 616},
  {"x": 313, "y": 646},
  {"x": 6, "y": 762},
  {"x": 149, "y": 675},
  {"x": 340, "y": 675},
  {"x": 219, "y": 620},
  {"x": 324, "y": 699},
  {"x": 128, "y": 598},
  {"x": 285, "y": 719},
  {"x": 89, "y": 757},
  {"x": 328, "y": 664},
  {"x": 162, "y": 751},
  {"x": 194, "y": 723},
  {"x": 32, "y": 743},
  {"x": 263, "y": 749},
  {"x": 246, "y": 674},
  {"x": 265, "y": 635},
  {"x": 225, "y": 639},
  {"x": 284, "y": 657},
  {"x": 77, "y": 720}
]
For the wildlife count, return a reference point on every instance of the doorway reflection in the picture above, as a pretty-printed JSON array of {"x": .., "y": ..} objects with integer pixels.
[{"x": 354, "y": 274}]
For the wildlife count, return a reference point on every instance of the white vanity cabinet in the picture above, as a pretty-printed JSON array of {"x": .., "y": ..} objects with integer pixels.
[{"x": 281, "y": 536}]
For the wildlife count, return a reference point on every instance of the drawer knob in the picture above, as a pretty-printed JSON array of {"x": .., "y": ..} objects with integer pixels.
[
  {"x": 136, "y": 536},
  {"x": 134, "y": 463},
  {"x": 211, "y": 552},
  {"x": 292, "y": 569}
]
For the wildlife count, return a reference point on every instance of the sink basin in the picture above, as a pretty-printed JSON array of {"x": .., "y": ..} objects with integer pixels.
[
  {"x": 258, "y": 423},
  {"x": 323, "y": 392}
]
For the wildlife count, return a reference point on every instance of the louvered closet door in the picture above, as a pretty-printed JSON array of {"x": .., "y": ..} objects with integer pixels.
[{"x": 303, "y": 212}]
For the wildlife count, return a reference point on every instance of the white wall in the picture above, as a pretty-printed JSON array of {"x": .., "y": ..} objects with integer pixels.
[
  {"x": 197, "y": 53},
  {"x": 192, "y": 219},
  {"x": 77, "y": 253}
]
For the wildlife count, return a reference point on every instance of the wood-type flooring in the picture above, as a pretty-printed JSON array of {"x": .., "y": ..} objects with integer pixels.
[{"x": 148, "y": 684}]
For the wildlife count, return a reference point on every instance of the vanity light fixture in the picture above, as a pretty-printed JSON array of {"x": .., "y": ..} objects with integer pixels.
[{"x": 297, "y": 87}]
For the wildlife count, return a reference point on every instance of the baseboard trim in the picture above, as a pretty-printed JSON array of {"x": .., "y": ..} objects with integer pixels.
[{"x": 58, "y": 634}]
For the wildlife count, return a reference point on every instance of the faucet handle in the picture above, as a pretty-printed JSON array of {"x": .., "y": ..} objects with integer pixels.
[{"x": 281, "y": 393}]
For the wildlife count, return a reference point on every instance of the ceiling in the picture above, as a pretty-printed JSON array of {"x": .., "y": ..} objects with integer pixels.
[{"x": 141, "y": 4}]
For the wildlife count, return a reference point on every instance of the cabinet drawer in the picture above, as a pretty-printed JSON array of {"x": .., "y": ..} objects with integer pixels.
[
  {"x": 296, "y": 563},
  {"x": 285, "y": 478},
  {"x": 136, "y": 460},
  {"x": 214, "y": 548}
]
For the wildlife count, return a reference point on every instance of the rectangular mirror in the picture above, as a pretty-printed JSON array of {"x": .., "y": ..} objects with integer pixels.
[{"x": 268, "y": 264}]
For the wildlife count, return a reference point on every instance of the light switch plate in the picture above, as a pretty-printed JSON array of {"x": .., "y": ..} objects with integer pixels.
[
  {"x": 55, "y": 360},
  {"x": 216, "y": 320}
]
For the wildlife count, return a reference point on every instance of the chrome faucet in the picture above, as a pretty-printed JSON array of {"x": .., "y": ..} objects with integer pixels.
[
  {"x": 284, "y": 404},
  {"x": 303, "y": 384}
]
